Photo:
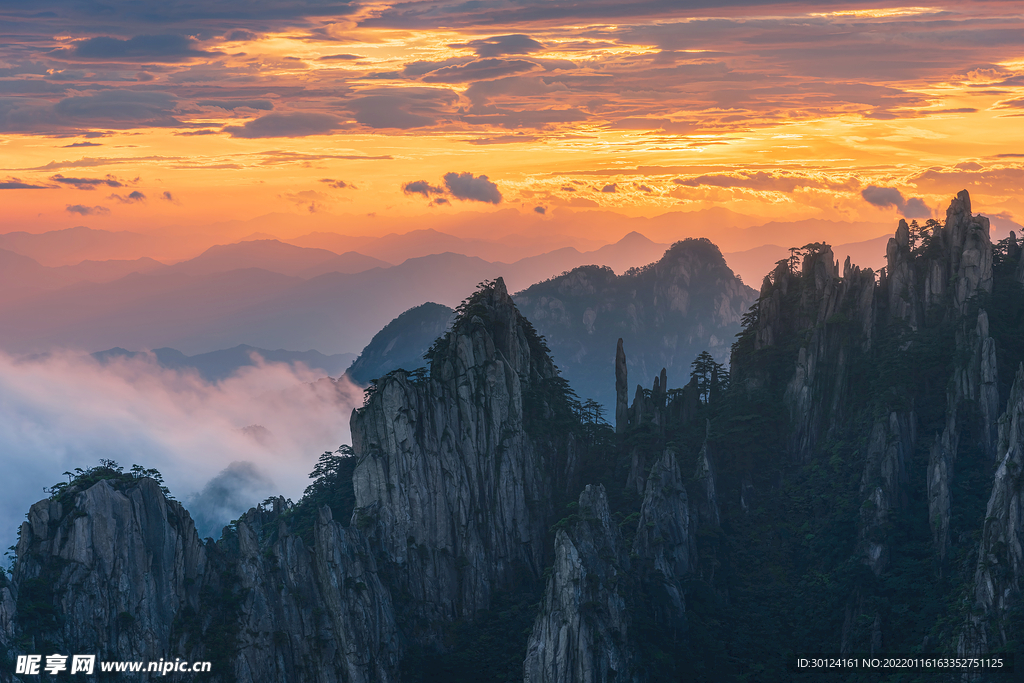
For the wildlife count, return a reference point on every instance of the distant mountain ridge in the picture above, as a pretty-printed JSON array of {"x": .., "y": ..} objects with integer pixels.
[
  {"x": 666, "y": 312},
  {"x": 402, "y": 342},
  {"x": 335, "y": 312},
  {"x": 277, "y": 257}
]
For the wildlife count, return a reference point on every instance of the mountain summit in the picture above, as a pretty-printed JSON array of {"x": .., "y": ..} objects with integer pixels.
[{"x": 666, "y": 313}]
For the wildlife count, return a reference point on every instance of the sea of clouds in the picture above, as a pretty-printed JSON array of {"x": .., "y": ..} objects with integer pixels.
[{"x": 222, "y": 447}]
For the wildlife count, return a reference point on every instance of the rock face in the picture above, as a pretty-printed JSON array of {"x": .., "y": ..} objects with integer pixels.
[
  {"x": 974, "y": 385},
  {"x": 110, "y": 552},
  {"x": 1000, "y": 568},
  {"x": 581, "y": 632},
  {"x": 666, "y": 313},
  {"x": 885, "y": 483},
  {"x": 837, "y": 316},
  {"x": 663, "y": 539},
  {"x": 460, "y": 487},
  {"x": 933, "y": 285},
  {"x": 131, "y": 580},
  {"x": 454, "y": 490}
]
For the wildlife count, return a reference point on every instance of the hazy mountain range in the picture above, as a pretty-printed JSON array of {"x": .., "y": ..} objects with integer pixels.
[
  {"x": 268, "y": 294},
  {"x": 94, "y": 289}
]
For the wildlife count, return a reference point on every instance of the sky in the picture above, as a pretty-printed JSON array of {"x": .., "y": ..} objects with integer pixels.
[{"x": 141, "y": 115}]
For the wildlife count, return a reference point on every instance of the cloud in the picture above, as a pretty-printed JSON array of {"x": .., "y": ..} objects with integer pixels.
[
  {"x": 237, "y": 104},
  {"x": 293, "y": 125},
  {"x": 239, "y": 486},
  {"x": 1004, "y": 181},
  {"x": 155, "y": 48},
  {"x": 221, "y": 16},
  {"x": 241, "y": 35},
  {"x": 421, "y": 187},
  {"x": 342, "y": 57},
  {"x": 884, "y": 197},
  {"x": 613, "y": 187},
  {"x": 87, "y": 183},
  {"x": 1017, "y": 103},
  {"x": 403, "y": 108},
  {"x": 338, "y": 184},
  {"x": 421, "y": 67},
  {"x": 168, "y": 197},
  {"x": 479, "y": 189},
  {"x": 17, "y": 184},
  {"x": 502, "y": 139},
  {"x": 83, "y": 210},
  {"x": 643, "y": 123},
  {"x": 441, "y": 201},
  {"x": 66, "y": 410},
  {"x": 82, "y": 144},
  {"x": 540, "y": 209},
  {"x": 90, "y": 162},
  {"x": 480, "y": 70},
  {"x": 772, "y": 181},
  {"x": 133, "y": 198},
  {"x": 515, "y": 44},
  {"x": 280, "y": 156},
  {"x": 119, "y": 108}
]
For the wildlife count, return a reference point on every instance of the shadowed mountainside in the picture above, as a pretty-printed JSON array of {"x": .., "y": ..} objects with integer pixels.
[{"x": 666, "y": 312}]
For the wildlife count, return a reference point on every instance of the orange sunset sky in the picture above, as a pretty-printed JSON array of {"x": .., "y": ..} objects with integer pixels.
[{"x": 363, "y": 117}]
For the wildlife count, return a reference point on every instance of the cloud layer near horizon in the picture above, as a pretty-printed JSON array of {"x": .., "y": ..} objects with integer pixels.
[{"x": 66, "y": 411}]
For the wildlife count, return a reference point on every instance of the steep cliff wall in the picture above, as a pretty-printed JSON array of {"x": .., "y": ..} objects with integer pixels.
[
  {"x": 994, "y": 622},
  {"x": 117, "y": 570},
  {"x": 581, "y": 632},
  {"x": 461, "y": 487}
]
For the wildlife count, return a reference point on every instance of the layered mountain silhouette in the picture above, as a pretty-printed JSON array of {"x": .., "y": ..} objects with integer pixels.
[
  {"x": 667, "y": 312},
  {"x": 268, "y": 294}
]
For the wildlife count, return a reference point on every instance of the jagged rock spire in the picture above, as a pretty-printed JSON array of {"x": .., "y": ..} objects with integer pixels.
[{"x": 621, "y": 386}]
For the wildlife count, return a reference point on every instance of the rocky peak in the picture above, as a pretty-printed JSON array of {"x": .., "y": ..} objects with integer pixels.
[
  {"x": 488, "y": 327},
  {"x": 918, "y": 277},
  {"x": 621, "y": 387},
  {"x": 460, "y": 486}
]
